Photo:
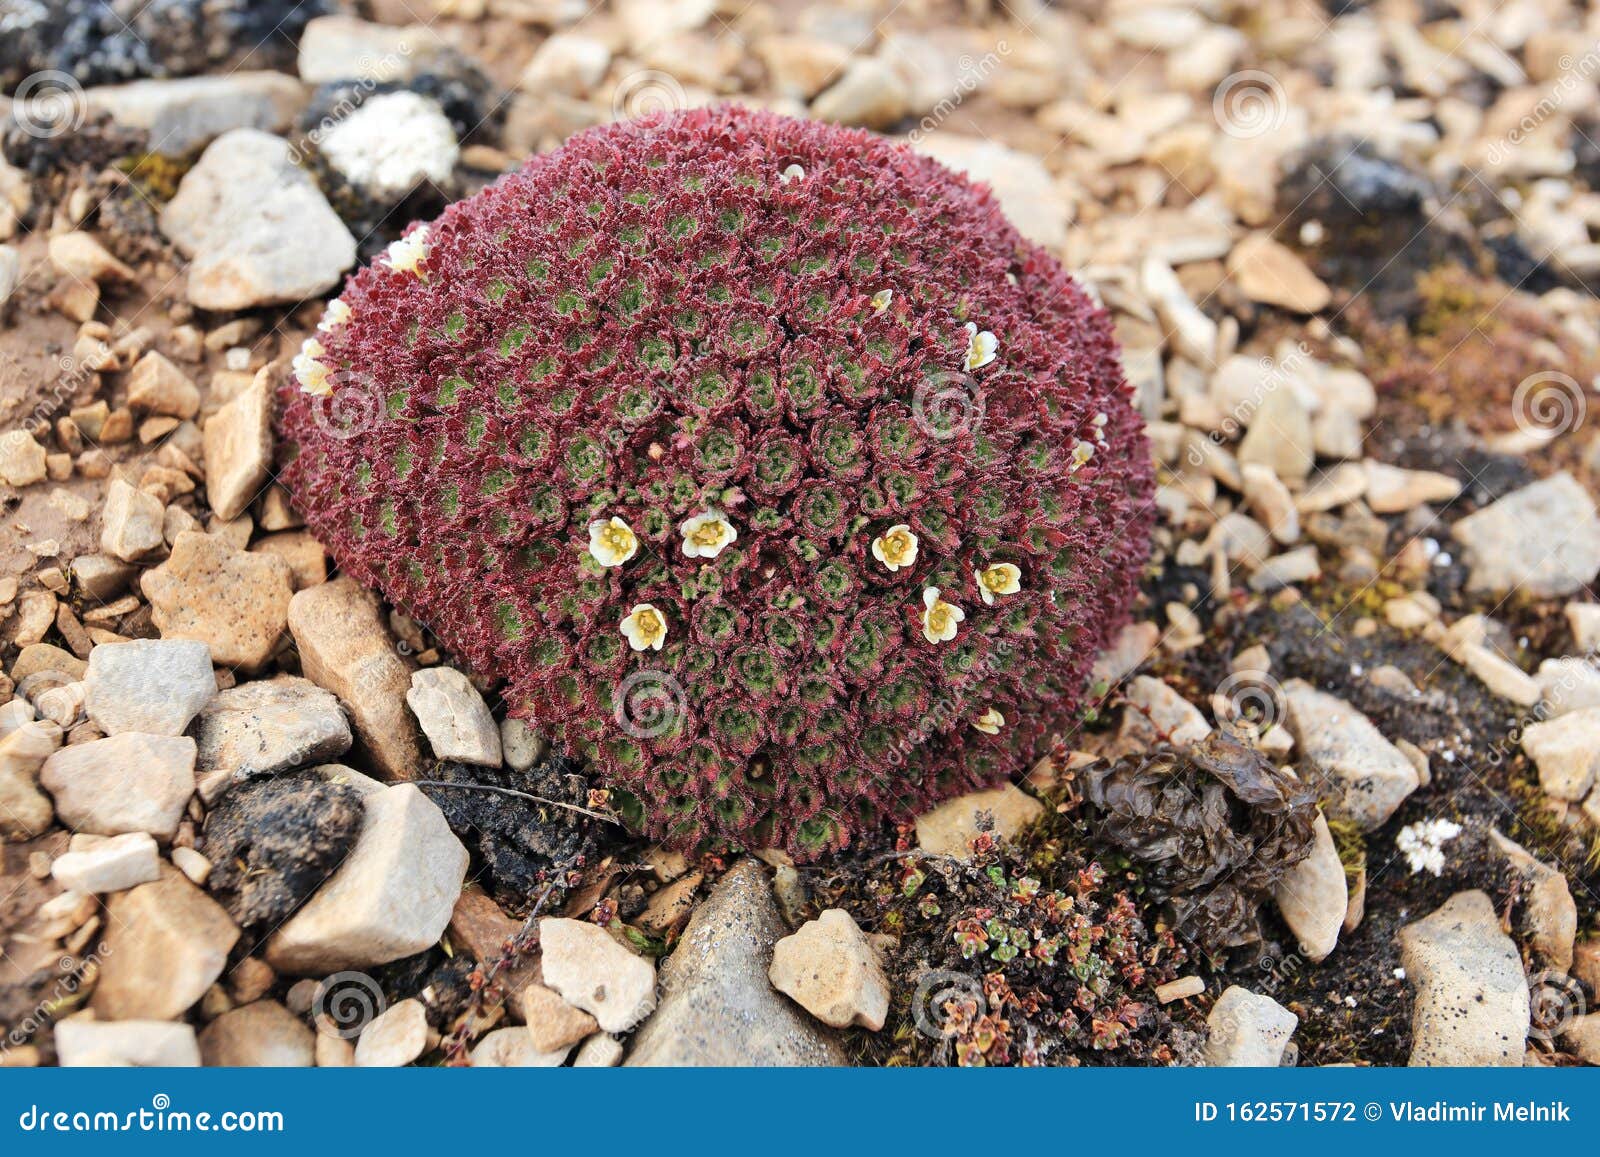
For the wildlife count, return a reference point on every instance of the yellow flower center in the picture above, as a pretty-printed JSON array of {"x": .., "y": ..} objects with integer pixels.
[
  {"x": 939, "y": 617},
  {"x": 897, "y": 546},
  {"x": 618, "y": 539},
  {"x": 708, "y": 535}
]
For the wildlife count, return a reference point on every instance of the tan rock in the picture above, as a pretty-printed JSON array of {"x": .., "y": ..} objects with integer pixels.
[
  {"x": 157, "y": 386},
  {"x": 22, "y": 460},
  {"x": 234, "y": 601},
  {"x": 551, "y": 1022},
  {"x": 945, "y": 830},
  {"x": 80, "y": 255},
  {"x": 1472, "y": 1003},
  {"x": 308, "y": 562},
  {"x": 82, "y": 1043},
  {"x": 832, "y": 972},
  {"x": 1313, "y": 896},
  {"x": 511, "y": 1048},
  {"x": 166, "y": 944},
  {"x": 1274, "y": 274},
  {"x": 130, "y": 525},
  {"x": 262, "y": 1034},
  {"x": 238, "y": 448},
  {"x": 868, "y": 94},
  {"x": 346, "y": 648},
  {"x": 25, "y": 811},
  {"x": 123, "y": 783},
  {"x": 397, "y": 1036},
  {"x": 591, "y": 970}
]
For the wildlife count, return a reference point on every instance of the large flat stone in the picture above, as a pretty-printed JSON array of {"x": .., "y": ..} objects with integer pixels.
[
  {"x": 1472, "y": 997},
  {"x": 1542, "y": 540},
  {"x": 123, "y": 783},
  {"x": 269, "y": 726},
  {"x": 166, "y": 943}
]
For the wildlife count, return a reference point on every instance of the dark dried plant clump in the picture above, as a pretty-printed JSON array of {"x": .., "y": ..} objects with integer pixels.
[
  {"x": 772, "y": 470},
  {"x": 1210, "y": 829}
]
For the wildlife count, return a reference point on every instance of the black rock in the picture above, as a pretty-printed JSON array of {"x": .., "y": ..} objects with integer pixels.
[
  {"x": 111, "y": 41},
  {"x": 273, "y": 842}
]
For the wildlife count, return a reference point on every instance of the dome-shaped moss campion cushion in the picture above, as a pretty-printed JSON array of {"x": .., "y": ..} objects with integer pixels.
[{"x": 766, "y": 463}]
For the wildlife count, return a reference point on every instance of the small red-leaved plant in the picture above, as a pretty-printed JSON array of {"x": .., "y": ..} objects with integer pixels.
[{"x": 767, "y": 464}]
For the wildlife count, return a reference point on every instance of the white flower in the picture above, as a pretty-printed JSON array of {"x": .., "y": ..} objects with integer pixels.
[
  {"x": 645, "y": 628},
  {"x": 881, "y": 300},
  {"x": 1001, "y": 578},
  {"x": 612, "y": 541},
  {"x": 1081, "y": 453},
  {"x": 309, "y": 370},
  {"x": 791, "y": 173},
  {"x": 896, "y": 547},
  {"x": 1422, "y": 844},
  {"x": 334, "y": 316},
  {"x": 990, "y": 722},
  {"x": 705, "y": 535},
  {"x": 982, "y": 347},
  {"x": 407, "y": 254},
  {"x": 939, "y": 618}
]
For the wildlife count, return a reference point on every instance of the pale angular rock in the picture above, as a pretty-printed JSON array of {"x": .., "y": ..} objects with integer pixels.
[
  {"x": 552, "y": 1023},
  {"x": 567, "y": 62},
  {"x": 112, "y": 865},
  {"x": 1155, "y": 709},
  {"x": 130, "y": 523},
  {"x": 1343, "y": 484},
  {"x": 153, "y": 686},
  {"x": 82, "y": 1043},
  {"x": 1373, "y": 775},
  {"x": 238, "y": 449},
  {"x": 234, "y": 601},
  {"x": 268, "y": 726},
  {"x": 1583, "y": 1038},
  {"x": 346, "y": 648},
  {"x": 717, "y": 1006},
  {"x": 592, "y": 971},
  {"x": 25, "y": 811},
  {"x": 345, "y": 48},
  {"x": 1280, "y": 435},
  {"x": 1391, "y": 490},
  {"x": 165, "y": 944},
  {"x": 1281, "y": 570},
  {"x": 1501, "y": 676},
  {"x": 512, "y": 1048},
  {"x": 262, "y": 1034},
  {"x": 1248, "y": 1030},
  {"x": 800, "y": 66},
  {"x": 1025, "y": 187},
  {"x": 1472, "y": 1003},
  {"x": 869, "y": 94},
  {"x": 22, "y": 460},
  {"x": 123, "y": 783},
  {"x": 1549, "y": 915},
  {"x": 1584, "y": 619},
  {"x": 832, "y": 972},
  {"x": 308, "y": 562},
  {"x": 1566, "y": 750},
  {"x": 598, "y": 1052},
  {"x": 1135, "y": 643},
  {"x": 257, "y": 229},
  {"x": 396, "y": 1037},
  {"x": 157, "y": 386},
  {"x": 1270, "y": 501},
  {"x": 187, "y": 112},
  {"x": 81, "y": 256},
  {"x": 1542, "y": 540},
  {"x": 1274, "y": 274},
  {"x": 1567, "y": 685},
  {"x": 1313, "y": 896},
  {"x": 391, "y": 897},
  {"x": 454, "y": 716},
  {"x": 945, "y": 830}
]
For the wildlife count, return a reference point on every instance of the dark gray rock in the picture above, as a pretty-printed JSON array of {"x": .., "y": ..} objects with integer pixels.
[{"x": 717, "y": 1006}]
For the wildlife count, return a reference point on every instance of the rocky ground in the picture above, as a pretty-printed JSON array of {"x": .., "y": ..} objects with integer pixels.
[{"x": 1334, "y": 800}]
